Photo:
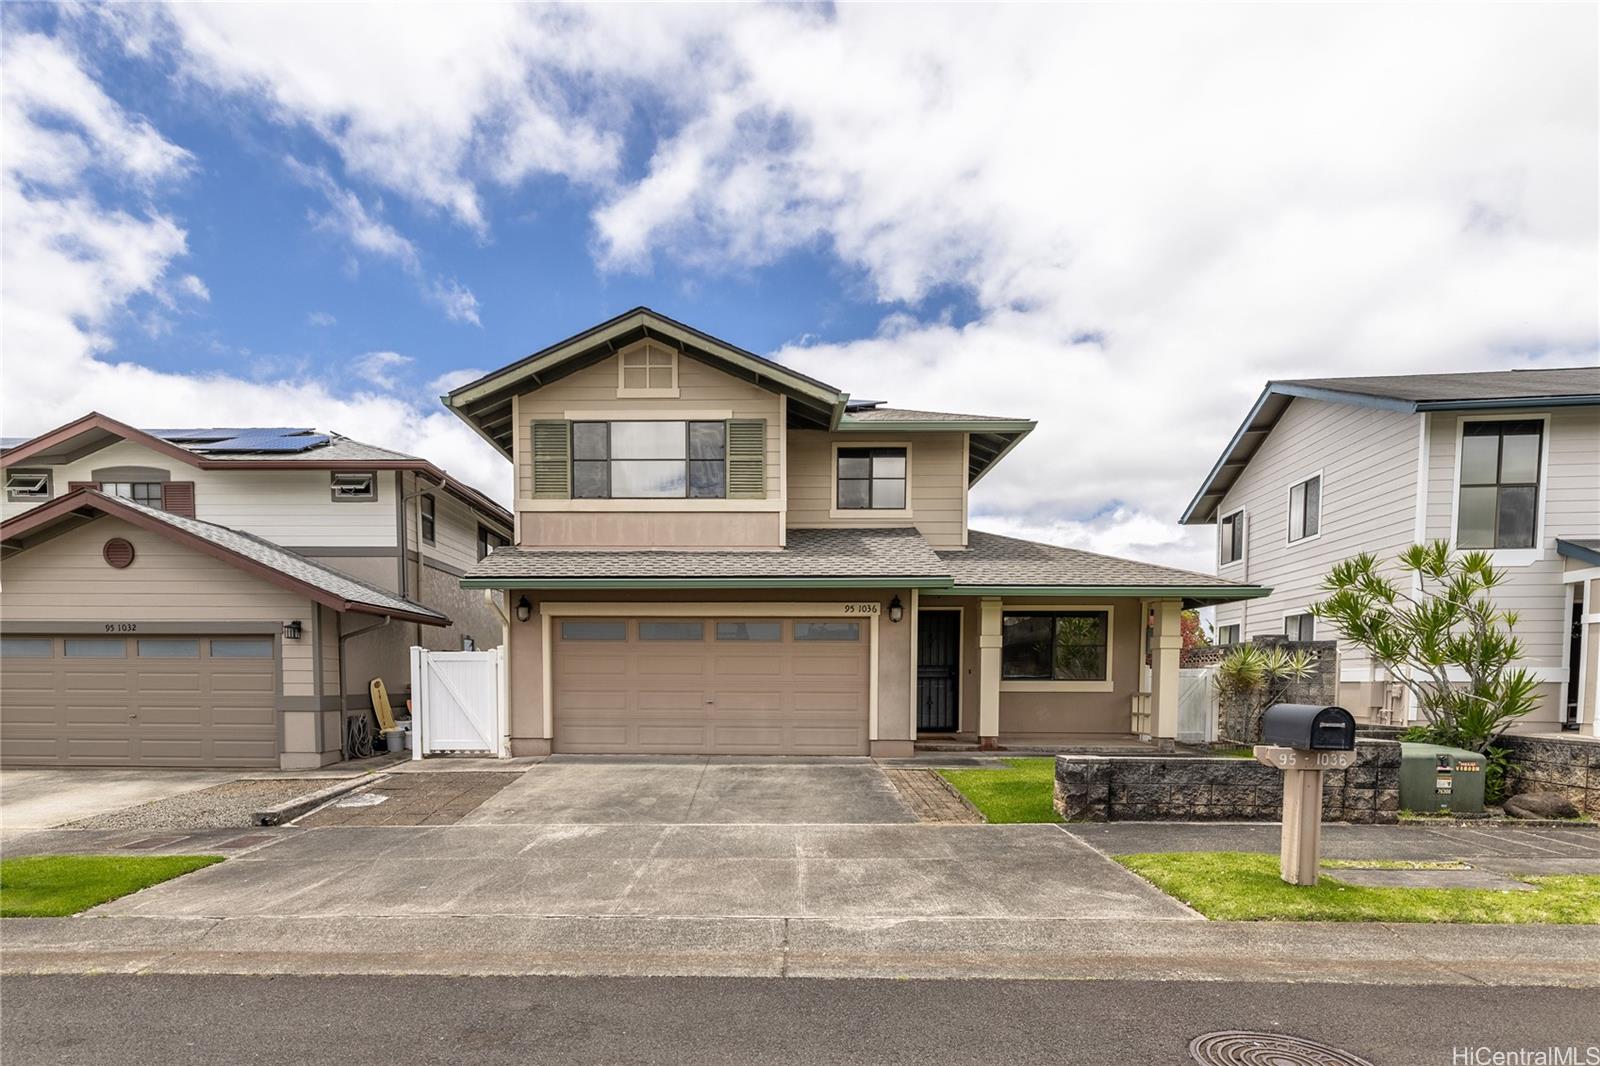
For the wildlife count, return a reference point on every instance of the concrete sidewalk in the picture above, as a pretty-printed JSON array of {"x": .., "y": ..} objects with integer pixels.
[{"x": 1566, "y": 956}]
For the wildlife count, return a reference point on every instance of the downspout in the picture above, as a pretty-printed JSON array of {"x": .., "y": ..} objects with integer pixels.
[{"x": 344, "y": 696}]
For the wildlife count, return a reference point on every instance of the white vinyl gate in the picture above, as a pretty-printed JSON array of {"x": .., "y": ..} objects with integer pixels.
[
  {"x": 458, "y": 702},
  {"x": 1197, "y": 707}
]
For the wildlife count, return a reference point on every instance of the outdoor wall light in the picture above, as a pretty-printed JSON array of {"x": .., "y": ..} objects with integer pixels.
[
  {"x": 291, "y": 630},
  {"x": 897, "y": 610},
  {"x": 524, "y": 609}
]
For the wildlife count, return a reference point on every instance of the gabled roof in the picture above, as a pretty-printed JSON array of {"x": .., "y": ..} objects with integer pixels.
[
  {"x": 238, "y": 449},
  {"x": 280, "y": 566},
  {"x": 1583, "y": 550},
  {"x": 486, "y": 404},
  {"x": 1405, "y": 393},
  {"x": 860, "y": 558}
]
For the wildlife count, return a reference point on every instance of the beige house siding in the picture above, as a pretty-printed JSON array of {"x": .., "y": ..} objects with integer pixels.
[
  {"x": 937, "y": 493},
  {"x": 1368, "y": 462},
  {"x": 702, "y": 390}
]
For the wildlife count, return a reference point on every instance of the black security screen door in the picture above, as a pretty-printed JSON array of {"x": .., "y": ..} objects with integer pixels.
[{"x": 938, "y": 671}]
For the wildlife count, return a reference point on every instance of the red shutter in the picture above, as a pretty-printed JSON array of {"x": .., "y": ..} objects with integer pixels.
[{"x": 178, "y": 497}]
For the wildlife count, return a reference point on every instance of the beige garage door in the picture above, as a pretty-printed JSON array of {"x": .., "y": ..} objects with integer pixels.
[
  {"x": 138, "y": 701},
  {"x": 710, "y": 686}
]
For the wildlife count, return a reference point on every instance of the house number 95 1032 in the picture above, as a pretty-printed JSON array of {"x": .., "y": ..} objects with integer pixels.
[{"x": 122, "y": 627}]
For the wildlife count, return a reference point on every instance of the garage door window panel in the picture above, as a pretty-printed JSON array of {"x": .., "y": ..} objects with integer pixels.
[
  {"x": 827, "y": 631},
  {"x": 750, "y": 631},
  {"x": 672, "y": 630},
  {"x": 26, "y": 648},
  {"x": 83, "y": 648},
  {"x": 241, "y": 649},
  {"x": 594, "y": 630},
  {"x": 169, "y": 649}
]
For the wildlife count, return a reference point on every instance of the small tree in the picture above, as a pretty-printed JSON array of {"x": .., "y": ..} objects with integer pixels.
[
  {"x": 1194, "y": 634},
  {"x": 1258, "y": 677},
  {"x": 1448, "y": 623}
]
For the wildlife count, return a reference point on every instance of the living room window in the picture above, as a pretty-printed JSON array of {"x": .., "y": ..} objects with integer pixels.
[
  {"x": 649, "y": 460},
  {"x": 647, "y": 371},
  {"x": 1230, "y": 538},
  {"x": 1055, "y": 646},
  {"x": 871, "y": 479},
  {"x": 1305, "y": 509},
  {"x": 1498, "y": 506}
]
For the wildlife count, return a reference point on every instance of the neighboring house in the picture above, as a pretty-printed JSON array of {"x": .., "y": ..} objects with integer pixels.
[
  {"x": 716, "y": 553},
  {"x": 194, "y": 597},
  {"x": 1508, "y": 462}
]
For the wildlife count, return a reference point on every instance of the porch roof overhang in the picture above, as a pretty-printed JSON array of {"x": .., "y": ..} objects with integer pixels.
[
  {"x": 1585, "y": 551},
  {"x": 1192, "y": 596}
]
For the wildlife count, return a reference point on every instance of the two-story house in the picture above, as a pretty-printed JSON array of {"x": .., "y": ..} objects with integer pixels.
[
  {"x": 715, "y": 553},
  {"x": 222, "y": 597},
  {"x": 1507, "y": 462}
]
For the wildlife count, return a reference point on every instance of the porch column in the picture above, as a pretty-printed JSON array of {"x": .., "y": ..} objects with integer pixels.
[
  {"x": 1165, "y": 649},
  {"x": 989, "y": 672}
]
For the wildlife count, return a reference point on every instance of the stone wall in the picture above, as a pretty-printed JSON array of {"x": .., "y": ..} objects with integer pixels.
[
  {"x": 1238, "y": 723},
  {"x": 1566, "y": 765},
  {"x": 1197, "y": 789}
]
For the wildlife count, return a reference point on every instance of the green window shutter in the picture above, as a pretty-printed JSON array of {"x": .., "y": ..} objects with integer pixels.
[
  {"x": 552, "y": 460},
  {"x": 747, "y": 459}
]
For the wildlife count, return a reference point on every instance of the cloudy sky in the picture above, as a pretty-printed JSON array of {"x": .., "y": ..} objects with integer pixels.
[{"x": 1119, "y": 220}]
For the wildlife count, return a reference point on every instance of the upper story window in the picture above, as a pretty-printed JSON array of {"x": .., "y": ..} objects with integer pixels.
[
  {"x": 489, "y": 540},
  {"x": 145, "y": 492},
  {"x": 1230, "y": 536},
  {"x": 1055, "y": 646},
  {"x": 1499, "y": 501},
  {"x": 1228, "y": 635},
  {"x": 426, "y": 515},
  {"x": 649, "y": 460},
  {"x": 28, "y": 485},
  {"x": 1305, "y": 509},
  {"x": 647, "y": 371},
  {"x": 1300, "y": 626},
  {"x": 363, "y": 486},
  {"x": 871, "y": 479}
]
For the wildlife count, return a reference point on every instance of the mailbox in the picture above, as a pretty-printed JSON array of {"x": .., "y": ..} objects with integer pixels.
[{"x": 1308, "y": 727}]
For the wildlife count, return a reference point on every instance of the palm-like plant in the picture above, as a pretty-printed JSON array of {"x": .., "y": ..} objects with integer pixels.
[
  {"x": 1444, "y": 639},
  {"x": 1259, "y": 677}
]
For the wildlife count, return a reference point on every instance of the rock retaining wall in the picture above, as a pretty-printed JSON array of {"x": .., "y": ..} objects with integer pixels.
[
  {"x": 1176, "y": 788},
  {"x": 1569, "y": 766}
]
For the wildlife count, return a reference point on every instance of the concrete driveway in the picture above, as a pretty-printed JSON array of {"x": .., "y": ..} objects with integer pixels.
[
  {"x": 691, "y": 790},
  {"x": 37, "y": 799}
]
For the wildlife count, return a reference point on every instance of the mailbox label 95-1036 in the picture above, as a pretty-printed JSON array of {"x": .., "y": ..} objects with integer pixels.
[{"x": 1303, "y": 759}]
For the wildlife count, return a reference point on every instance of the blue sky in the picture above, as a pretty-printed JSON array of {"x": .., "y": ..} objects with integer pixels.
[{"x": 1119, "y": 221}]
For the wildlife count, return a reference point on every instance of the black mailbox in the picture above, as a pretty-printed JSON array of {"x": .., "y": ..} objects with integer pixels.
[{"x": 1306, "y": 726}]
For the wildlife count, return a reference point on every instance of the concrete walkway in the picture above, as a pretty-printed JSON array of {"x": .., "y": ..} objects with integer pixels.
[{"x": 36, "y": 799}]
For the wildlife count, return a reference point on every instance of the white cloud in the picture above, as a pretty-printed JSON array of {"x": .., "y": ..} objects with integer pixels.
[
  {"x": 320, "y": 319},
  {"x": 381, "y": 368},
  {"x": 191, "y": 285},
  {"x": 454, "y": 379}
]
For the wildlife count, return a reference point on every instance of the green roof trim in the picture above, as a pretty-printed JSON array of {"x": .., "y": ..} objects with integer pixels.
[
  {"x": 1208, "y": 592},
  {"x": 558, "y": 584}
]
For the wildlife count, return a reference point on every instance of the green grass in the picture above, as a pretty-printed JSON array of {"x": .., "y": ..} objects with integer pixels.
[
  {"x": 1021, "y": 791},
  {"x": 1240, "y": 886},
  {"x": 51, "y": 886},
  {"x": 1394, "y": 864}
]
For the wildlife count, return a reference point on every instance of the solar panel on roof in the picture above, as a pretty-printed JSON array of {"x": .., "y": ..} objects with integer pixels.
[{"x": 283, "y": 439}]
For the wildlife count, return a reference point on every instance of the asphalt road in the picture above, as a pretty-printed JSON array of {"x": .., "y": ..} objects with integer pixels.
[{"x": 393, "y": 1021}]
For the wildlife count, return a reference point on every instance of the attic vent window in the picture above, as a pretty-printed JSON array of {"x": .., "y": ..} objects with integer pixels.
[
  {"x": 648, "y": 371},
  {"x": 355, "y": 486},
  {"x": 24, "y": 486}
]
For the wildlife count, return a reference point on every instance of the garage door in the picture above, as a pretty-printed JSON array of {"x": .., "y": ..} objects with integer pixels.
[
  {"x": 138, "y": 701},
  {"x": 710, "y": 686}
]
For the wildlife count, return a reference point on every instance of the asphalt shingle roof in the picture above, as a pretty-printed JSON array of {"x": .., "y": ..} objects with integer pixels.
[
  {"x": 907, "y": 414},
  {"x": 287, "y": 562},
  {"x": 1477, "y": 385},
  {"x": 810, "y": 553},
  {"x": 339, "y": 449},
  {"x": 991, "y": 560}
]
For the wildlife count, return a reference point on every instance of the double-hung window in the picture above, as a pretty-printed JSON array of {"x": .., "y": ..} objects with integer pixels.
[
  {"x": 1305, "y": 509},
  {"x": 872, "y": 479},
  {"x": 429, "y": 520},
  {"x": 649, "y": 460},
  {"x": 1499, "y": 502},
  {"x": 1055, "y": 646},
  {"x": 1228, "y": 635},
  {"x": 145, "y": 492},
  {"x": 1230, "y": 536}
]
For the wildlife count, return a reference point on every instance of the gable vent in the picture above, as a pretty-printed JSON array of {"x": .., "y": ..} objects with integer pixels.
[
  {"x": 747, "y": 459},
  {"x": 118, "y": 553}
]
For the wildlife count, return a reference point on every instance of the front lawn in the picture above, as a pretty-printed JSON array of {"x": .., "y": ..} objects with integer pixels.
[
  {"x": 1023, "y": 790},
  {"x": 1242, "y": 886},
  {"x": 51, "y": 886}
]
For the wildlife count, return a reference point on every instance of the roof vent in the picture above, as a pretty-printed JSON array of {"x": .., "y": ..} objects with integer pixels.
[{"x": 117, "y": 553}]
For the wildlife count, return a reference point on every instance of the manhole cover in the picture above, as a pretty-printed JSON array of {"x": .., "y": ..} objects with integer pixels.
[
  {"x": 362, "y": 799},
  {"x": 1236, "y": 1048}
]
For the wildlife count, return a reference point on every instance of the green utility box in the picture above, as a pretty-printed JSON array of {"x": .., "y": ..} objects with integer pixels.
[{"x": 1437, "y": 778}]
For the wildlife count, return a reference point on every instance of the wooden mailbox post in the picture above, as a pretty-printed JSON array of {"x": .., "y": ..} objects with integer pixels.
[{"x": 1300, "y": 849}]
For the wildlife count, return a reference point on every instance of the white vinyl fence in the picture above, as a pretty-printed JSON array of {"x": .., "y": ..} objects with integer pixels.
[
  {"x": 458, "y": 702},
  {"x": 1197, "y": 706}
]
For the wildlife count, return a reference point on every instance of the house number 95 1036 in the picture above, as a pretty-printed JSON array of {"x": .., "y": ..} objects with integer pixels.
[{"x": 861, "y": 608}]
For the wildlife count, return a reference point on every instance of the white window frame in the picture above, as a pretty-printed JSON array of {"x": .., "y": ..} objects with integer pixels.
[
  {"x": 644, "y": 351},
  {"x": 1244, "y": 541},
  {"x": 1288, "y": 524},
  {"x": 1506, "y": 556},
  {"x": 1106, "y": 685},
  {"x": 372, "y": 485},
  {"x": 18, "y": 495},
  {"x": 868, "y": 515},
  {"x": 1238, "y": 636},
  {"x": 1283, "y": 623}
]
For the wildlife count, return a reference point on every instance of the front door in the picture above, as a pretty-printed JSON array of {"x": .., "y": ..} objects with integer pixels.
[{"x": 938, "y": 671}]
